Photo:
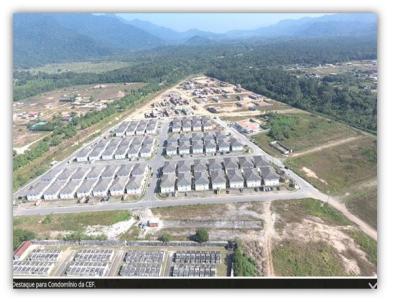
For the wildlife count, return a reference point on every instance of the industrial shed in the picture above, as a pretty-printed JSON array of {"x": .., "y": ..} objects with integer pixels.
[
  {"x": 184, "y": 182},
  {"x": 68, "y": 192}
]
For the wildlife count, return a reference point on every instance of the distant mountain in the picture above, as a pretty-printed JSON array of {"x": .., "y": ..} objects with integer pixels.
[
  {"x": 53, "y": 37},
  {"x": 109, "y": 30},
  {"x": 343, "y": 24},
  {"x": 168, "y": 35},
  {"x": 198, "y": 40},
  {"x": 39, "y": 39}
]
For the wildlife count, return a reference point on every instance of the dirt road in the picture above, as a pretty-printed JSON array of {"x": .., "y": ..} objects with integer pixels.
[
  {"x": 268, "y": 234},
  {"x": 327, "y": 145}
]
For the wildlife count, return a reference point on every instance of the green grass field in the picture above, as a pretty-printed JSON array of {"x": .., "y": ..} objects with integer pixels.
[
  {"x": 308, "y": 131},
  {"x": 80, "y": 67},
  {"x": 295, "y": 258},
  {"x": 44, "y": 225},
  {"x": 340, "y": 167},
  {"x": 363, "y": 203}
]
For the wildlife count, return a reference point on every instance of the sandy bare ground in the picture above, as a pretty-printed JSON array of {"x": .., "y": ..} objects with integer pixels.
[
  {"x": 327, "y": 145},
  {"x": 269, "y": 233},
  {"x": 341, "y": 207},
  {"x": 112, "y": 231},
  {"x": 314, "y": 230},
  {"x": 312, "y": 174}
]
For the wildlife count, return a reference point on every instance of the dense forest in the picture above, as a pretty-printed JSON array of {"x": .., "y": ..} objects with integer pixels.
[{"x": 256, "y": 66}]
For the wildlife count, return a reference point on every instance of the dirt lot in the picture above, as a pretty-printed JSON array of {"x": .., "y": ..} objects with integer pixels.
[
  {"x": 46, "y": 105},
  {"x": 313, "y": 239}
]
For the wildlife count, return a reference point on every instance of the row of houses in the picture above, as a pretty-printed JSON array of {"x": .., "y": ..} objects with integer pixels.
[
  {"x": 99, "y": 181},
  {"x": 195, "y": 123},
  {"x": 198, "y": 143},
  {"x": 118, "y": 148},
  {"x": 139, "y": 127},
  {"x": 245, "y": 172}
]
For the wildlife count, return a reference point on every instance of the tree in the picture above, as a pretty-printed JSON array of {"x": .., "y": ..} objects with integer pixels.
[
  {"x": 20, "y": 236},
  {"x": 243, "y": 265},
  {"x": 201, "y": 235},
  {"x": 165, "y": 237}
]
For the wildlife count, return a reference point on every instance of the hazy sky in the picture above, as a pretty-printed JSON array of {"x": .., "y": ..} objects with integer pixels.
[{"x": 215, "y": 22}]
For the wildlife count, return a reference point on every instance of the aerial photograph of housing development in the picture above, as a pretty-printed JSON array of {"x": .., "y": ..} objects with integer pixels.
[{"x": 143, "y": 150}]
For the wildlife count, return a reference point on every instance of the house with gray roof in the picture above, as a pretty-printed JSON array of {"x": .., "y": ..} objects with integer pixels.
[
  {"x": 102, "y": 187},
  {"x": 269, "y": 176},
  {"x": 52, "y": 192},
  {"x": 230, "y": 163},
  {"x": 167, "y": 183},
  {"x": 236, "y": 146},
  {"x": 134, "y": 185},
  {"x": 68, "y": 192},
  {"x": 118, "y": 186},
  {"x": 201, "y": 181},
  {"x": 253, "y": 179},
  {"x": 169, "y": 167},
  {"x": 245, "y": 163},
  {"x": 235, "y": 179},
  {"x": 218, "y": 180},
  {"x": 140, "y": 169},
  {"x": 184, "y": 182},
  {"x": 260, "y": 161},
  {"x": 86, "y": 188}
]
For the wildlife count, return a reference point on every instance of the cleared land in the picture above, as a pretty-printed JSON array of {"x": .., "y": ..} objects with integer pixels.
[
  {"x": 314, "y": 239},
  {"x": 335, "y": 169},
  {"x": 80, "y": 67}
]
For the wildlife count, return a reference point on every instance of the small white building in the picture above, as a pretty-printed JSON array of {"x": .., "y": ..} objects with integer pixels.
[
  {"x": 134, "y": 185},
  {"x": 253, "y": 179}
]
